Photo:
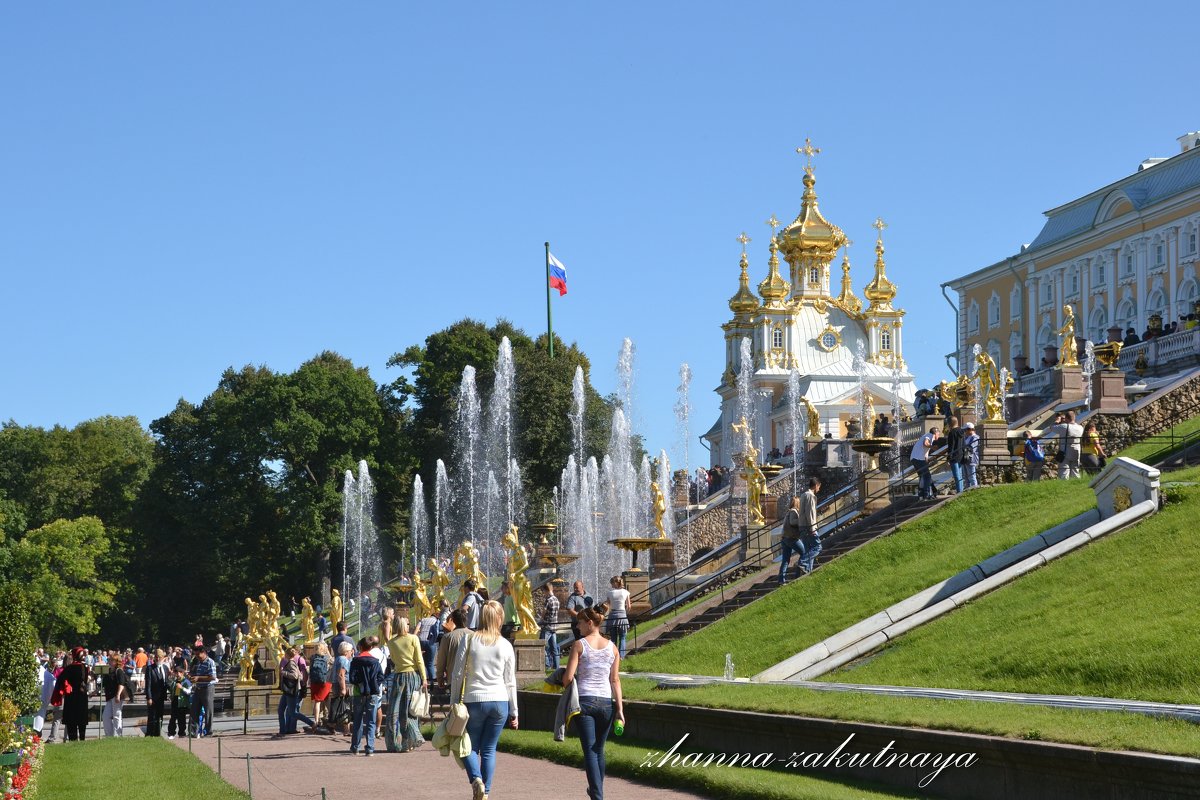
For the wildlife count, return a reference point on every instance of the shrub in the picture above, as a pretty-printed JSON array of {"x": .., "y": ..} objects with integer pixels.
[{"x": 18, "y": 681}]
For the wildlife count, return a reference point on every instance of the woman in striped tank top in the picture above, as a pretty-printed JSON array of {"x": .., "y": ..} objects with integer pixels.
[{"x": 595, "y": 665}]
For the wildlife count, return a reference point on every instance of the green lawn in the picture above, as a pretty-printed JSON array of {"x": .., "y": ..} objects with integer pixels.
[
  {"x": 1118, "y": 618},
  {"x": 872, "y": 578},
  {"x": 624, "y": 759},
  {"x": 1159, "y": 447},
  {"x": 1110, "y": 730},
  {"x": 128, "y": 767}
]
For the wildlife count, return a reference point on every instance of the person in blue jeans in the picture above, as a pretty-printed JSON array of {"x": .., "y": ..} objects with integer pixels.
[
  {"x": 789, "y": 541},
  {"x": 595, "y": 666},
  {"x": 484, "y": 679},
  {"x": 366, "y": 677},
  {"x": 810, "y": 539},
  {"x": 956, "y": 454}
]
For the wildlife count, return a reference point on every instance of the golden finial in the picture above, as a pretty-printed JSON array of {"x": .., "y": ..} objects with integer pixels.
[
  {"x": 880, "y": 291},
  {"x": 774, "y": 223},
  {"x": 879, "y": 225},
  {"x": 745, "y": 240},
  {"x": 808, "y": 151}
]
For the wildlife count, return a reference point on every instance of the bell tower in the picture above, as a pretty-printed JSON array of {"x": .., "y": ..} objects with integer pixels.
[{"x": 810, "y": 242}]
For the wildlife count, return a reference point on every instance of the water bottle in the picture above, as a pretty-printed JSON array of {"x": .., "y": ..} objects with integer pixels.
[
  {"x": 729, "y": 666},
  {"x": 619, "y": 728}
]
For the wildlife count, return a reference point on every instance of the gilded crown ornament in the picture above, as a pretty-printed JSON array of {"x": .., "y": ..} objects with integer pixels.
[
  {"x": 880, "y": 291},
  {"x": 810, "y": 241},
  {"x": 744, "y": 302},
  {"x": 848, "y": 302},
  {"x": 774, "y": 289}
]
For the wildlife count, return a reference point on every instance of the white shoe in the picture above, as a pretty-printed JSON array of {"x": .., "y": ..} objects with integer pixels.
[
  {"x": 477, "y": 792},
  {"x": 170, "y": 737}
]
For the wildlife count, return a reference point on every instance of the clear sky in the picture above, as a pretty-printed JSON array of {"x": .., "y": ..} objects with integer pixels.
[{"x": 188, "y": 187}]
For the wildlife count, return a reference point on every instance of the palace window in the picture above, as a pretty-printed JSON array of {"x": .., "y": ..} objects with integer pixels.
[
  {"x": 1158, "y": 254},
  {"x": 1099, "y": 324},
  {"x": 973, "y": 318},
  {"x": 994, "y": 310},
  {"x": 1099, "y": 270},
  {"x": 1129, "y": 263},
  {"x": 1014, "y": 302},
  {"x": 814, "y": 276},
  {"x": 1048, "y": 293},
  {"x": 1074, "y": 280},
  {"x": 885, "y": 341},
  {"x": 1191, "y": 242},
  {"x": 1126, "y": 314},
  {"x": 777, "y": 338},
  {"x": 1185, "y": 298}
]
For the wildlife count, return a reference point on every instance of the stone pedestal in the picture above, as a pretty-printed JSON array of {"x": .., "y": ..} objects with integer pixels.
[
  {"x": 258, "y": 699},
  {"x": 1068, "y": 384},
  {"x": 1122, "y": 484},
  {"x": 757, "y": 540},
  {"x": 965, "y": 414},
  {"x": 679, "y": 488},
  {"x": 638, "y": 584},
  {"x": 833, "y": 452},
  {"x": 531, "y": 661},
  {"x": 871, "y": 488},
  {"x": 1109, "y": 392},
  {"x": 994, "y": 447},
  {"x": 662, "y": 558}
]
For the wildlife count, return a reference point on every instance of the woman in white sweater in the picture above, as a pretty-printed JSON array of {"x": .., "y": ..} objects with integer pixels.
[{"x": 486, "y": 681}]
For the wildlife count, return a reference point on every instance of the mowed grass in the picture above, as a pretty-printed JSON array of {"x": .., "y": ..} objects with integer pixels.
[
  {"x": 966, "y": 531},
  {"x": 1118, "y": 618},
  {"x": 1109, "y": 730},
  {"x": 624, "y": 759},
  {"x": 128, "y": 767},
  {"x": 1160, "y": 445}
]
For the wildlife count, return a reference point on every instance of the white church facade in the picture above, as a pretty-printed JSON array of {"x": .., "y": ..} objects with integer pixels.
[{"x": 833, "y": 343}]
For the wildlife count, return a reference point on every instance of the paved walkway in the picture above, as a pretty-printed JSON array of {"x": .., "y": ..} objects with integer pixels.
[
  {"x": 1190, "y": 713},
  {"x": 300, "y": 765}
]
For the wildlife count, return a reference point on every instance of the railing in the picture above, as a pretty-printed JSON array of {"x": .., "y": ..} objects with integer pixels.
[
  {"x": 1036, "y": 383},
  {"x": 1162, "y": 350}
]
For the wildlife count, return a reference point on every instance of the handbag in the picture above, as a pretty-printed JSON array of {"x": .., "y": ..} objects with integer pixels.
[
  {"x": 418, "y": 706},
  {"x": 456, "y": 719}
]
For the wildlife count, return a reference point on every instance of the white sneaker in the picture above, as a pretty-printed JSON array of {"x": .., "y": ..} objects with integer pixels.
[
  {"x": 477, "y": 792},
  {"x": 170, "y": 737}
]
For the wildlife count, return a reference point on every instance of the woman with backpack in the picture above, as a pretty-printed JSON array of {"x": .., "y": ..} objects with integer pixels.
[
  {"x": 320, "y": 683},
  {"x": 1035, "y": 457}
]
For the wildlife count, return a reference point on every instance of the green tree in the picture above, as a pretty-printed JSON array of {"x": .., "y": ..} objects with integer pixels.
[
  {"x": 58, "y": 568},
  {"x": 17, "y": 645}
]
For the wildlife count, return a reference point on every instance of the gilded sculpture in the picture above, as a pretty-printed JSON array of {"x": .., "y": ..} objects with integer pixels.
[
  {"x": 466, "y": 565},
  {"x": 1107, "y": 354},
  {"x": 658, "y": 508},
  {"x": 1068, "y": 351},
  {"x": 438, "y": 581},
  {"x": 335, "y": 608},
  {"x": 518, "y": 583},
  {"x": 990, "y": 387},
  {"x": 420, "y": 596},
  {"x": 960, "y": 393},
  {"x": 814, "y": 419},
  {"x": 756, "y": 483},
  {"x": 308, "y": 624}
]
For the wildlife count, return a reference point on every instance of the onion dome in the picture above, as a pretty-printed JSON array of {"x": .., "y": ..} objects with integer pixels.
[
  {"x": 774, "y": 289},
  {"x": 744, "y": 302},
  {"x": 880, "y": 291},
  {"x": 810, "y": 234}
]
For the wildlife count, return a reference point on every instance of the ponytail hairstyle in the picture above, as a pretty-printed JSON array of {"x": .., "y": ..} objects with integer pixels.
[{"x": 593, "y": 616}]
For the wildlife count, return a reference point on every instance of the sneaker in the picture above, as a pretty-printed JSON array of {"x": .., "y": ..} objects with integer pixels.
[
  {"x": 369, "y": 753},
  {"x": 477, "y": 790},
  {"x": 353, "y": 752},
  {"x": 170, "y": 737}
]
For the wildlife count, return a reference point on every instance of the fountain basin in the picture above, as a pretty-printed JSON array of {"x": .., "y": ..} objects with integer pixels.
[
  {"x": 635, "y": 545},
  {"x": 873, "y": 446}
]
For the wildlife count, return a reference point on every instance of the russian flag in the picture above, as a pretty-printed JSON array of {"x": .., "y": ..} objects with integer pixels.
[{"x": 558, "y": 275}]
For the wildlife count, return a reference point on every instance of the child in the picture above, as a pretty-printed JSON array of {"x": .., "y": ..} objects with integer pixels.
[{"x": 179, "y": 690}]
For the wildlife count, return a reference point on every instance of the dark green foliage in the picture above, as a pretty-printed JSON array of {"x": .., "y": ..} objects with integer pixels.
[{"x": 17, "y": 644}]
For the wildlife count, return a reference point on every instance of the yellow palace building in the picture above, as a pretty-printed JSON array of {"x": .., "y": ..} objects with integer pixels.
[{"x": 1123, "y": 256}]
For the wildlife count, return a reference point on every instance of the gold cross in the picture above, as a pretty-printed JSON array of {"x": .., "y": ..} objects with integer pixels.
[
  {"x": 808, "y": 151},
  {"x": 774, "y": 223},
  {"x": 744, "y": 239},
  {"x": 879, "y": 225},
  {"x": 849, "y": 242}
]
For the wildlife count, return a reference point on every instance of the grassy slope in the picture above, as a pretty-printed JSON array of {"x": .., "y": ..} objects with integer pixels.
[
  {"x": 624, "y": 758},
  {"x": 1106, "y": 729},
  {"x": 129, "y": 767},
  {"x": 862, "y": 583},
  {"x": 1119, "y": 618},
  {"x": 1158, "y": 448}
]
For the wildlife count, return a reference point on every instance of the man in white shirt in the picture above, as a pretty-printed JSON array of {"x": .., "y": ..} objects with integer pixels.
[
  {"x": 920, "y": 460},
  {"x": 1070, "y": 445}
]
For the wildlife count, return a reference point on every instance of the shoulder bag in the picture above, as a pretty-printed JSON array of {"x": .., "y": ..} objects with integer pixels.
[{"x": 456, "y": 719}]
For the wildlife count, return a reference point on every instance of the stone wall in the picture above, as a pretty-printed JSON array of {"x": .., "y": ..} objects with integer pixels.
[{"x": 1118, "y": 431}]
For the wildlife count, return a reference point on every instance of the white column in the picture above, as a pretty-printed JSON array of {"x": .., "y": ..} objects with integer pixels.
[
  {"x": 1113, "y": 268},
  {"x": 1031, "y": 312},
  {"x": 1173, "y": 234},
  {"x": 1085, "y": 299},
  {"x": 1141, "y": 282}
]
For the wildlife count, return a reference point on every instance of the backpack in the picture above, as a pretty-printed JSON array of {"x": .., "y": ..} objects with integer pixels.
[
  {"x": 289, "y": 678},
  {"x": 1033, "y": 452},
  {"x": 435, "y": 632},
  {"x": 318, "y": 670}
]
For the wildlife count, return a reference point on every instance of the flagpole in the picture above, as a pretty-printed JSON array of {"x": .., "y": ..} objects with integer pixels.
[{"x": 549, "y": 325}]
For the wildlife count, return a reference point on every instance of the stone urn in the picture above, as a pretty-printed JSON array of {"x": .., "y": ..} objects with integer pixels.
[{"x": 1019, "y": 364}]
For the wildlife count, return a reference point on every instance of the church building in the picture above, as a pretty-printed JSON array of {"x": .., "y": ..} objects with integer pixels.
[{"x": 795, "y": 324}]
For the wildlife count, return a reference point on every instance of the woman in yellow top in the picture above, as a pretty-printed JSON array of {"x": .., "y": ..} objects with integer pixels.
[
  {"x": 1093, "y": 451},
  {"x": 387, "y": 625},
  {"x": 406, "y": 678}
]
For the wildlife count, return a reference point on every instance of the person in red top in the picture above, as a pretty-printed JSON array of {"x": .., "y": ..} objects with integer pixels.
[{"x": 72, "y": 688}]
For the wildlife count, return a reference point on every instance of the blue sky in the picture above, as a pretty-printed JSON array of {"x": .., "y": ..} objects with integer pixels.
[{"x": 186, "y": 188}]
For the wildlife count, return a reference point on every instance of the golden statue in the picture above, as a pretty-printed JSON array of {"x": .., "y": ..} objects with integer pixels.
[
  {"x": 439, "y": 580},
  {"x": 1068, "y": 352},
  {"x": 276, "y": 608},
  {"x": 989, "y": 385},
  {"x": 518, "y": 584},
  {"x": 466, "y": 565},
  {"x": 658, "y": 507},
  {"x": 960, "y": 393},
  {"x": 814, "y": 419},
  {"x": 307, "y": 624},
  {"x": 246, "y": 668},
  {"x": 335, "y": 608},
  {"x": 269, "y": 621},
  {"x": 756, "y": 482},
  {"x": 252, "y": 619},
  {"x": 869, "y": 416},
  {"x": 420, "y": 596},
  {"x": 1107, "y": 354},
  {"x": 742, "y": 429}
]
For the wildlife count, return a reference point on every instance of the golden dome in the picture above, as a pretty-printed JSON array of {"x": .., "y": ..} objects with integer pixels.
[
  {"x": 846, "y": 299},
  {"x": 810, "y": 233},
  {"x": 744, "y": 302},
  {"x": 774, "y": 289},
  {"x": 880, "y": 291}
]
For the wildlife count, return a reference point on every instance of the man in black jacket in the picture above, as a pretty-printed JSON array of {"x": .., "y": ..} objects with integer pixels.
[
  {"x": 366, "y": 678},
  {"x": 156, "y": 693},
  {"x": 955, "y": 452}
]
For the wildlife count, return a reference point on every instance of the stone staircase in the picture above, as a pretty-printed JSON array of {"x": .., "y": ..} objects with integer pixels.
[{"x": 759, "y": 579}]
